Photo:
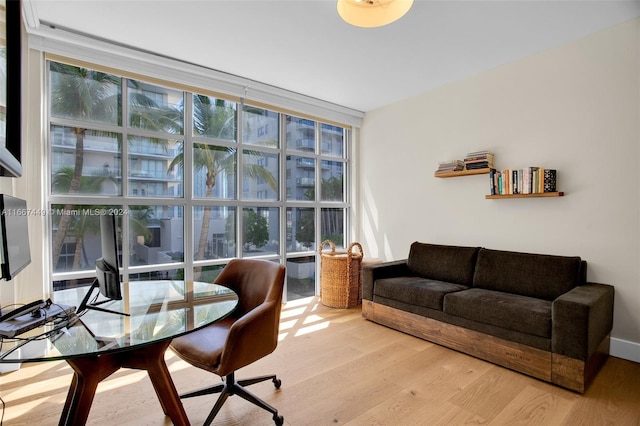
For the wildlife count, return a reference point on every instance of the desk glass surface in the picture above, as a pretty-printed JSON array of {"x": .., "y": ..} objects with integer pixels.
[{"x": 159, "y": 311}]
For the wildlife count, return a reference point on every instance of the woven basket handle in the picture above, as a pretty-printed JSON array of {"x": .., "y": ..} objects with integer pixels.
[
  {"x": 350, "y": 250},
  {"x": 331, "y": 245},
  {"x": 351, "y": 255}
]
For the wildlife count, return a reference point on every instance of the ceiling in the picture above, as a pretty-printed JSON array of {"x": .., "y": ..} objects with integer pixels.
[{"x": 304, "y": 47}]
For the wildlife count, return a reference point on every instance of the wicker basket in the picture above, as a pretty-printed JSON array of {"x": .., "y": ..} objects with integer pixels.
[{"x": 340, "y": 276}]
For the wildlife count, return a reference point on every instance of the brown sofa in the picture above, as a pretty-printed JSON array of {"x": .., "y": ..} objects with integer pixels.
[{"x": 532, "y": 313}]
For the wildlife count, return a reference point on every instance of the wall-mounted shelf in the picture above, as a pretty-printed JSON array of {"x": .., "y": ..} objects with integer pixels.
[
  {"x": 462, "y": 173},
  {"x": 537, "y": 194}
]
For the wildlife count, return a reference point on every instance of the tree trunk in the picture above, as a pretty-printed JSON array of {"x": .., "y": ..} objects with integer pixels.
[
  {"x": 65, "y": 220},
  {"x": 77, "y": 255},
  {"x": 204, "y": 232}
]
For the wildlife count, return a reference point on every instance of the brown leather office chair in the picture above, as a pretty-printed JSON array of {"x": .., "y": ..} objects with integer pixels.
[{"x": 248, "y": 334}]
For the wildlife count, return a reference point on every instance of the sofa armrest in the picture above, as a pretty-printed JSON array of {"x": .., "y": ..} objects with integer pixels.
[
  {"x": 581, "y": 319},
  {"x": 371, "y": 273}
]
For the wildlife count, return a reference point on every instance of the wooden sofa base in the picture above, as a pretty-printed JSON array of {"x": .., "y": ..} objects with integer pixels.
[{"x": 561, "y": 370}]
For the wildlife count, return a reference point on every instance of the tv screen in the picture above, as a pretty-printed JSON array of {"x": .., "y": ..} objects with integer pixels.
[{"x": 15, "y": 236}]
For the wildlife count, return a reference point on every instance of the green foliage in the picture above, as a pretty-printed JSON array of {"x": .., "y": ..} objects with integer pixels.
[
  {"x": 255, "y": 228},
  {"x": 305, "y": 227},
  {"x": 209, "y": 274},
  {"x": 214, "y": 118},
  {"x": 332, "y": 189},
  {"x": 85, "y": 94},
  {"x": 140, "y": 217},
  {"x": 338, "y": 239}
]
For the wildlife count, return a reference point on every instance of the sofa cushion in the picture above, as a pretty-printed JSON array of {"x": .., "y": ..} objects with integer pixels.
[
  {"x": 443, "y": 263},
  {"x": 534, "y": 275},
  {"x": 511, "y": 311},
  {"x": 416, "y": 291}
]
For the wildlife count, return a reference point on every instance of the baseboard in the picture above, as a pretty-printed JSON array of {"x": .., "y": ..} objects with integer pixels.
[{"x": 625, "y": 349}]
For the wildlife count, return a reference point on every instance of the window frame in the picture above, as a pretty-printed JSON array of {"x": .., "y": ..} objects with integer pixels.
[{"x": 188, "y": 200}]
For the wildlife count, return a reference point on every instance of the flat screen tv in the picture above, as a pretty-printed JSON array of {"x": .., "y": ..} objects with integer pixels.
[
  {"x": 15, "y": 253},
  {"x": 10, "y": 87},
  {"x": 107, "y": 268}
]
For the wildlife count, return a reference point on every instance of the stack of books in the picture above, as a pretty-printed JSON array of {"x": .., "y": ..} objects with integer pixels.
[
  {"x": 479, "y": 160},
  {"x": 530, "y": 180},
  {"x": 450, "y": 166}
]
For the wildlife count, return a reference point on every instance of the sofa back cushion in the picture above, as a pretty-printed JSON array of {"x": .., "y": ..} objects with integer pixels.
[
  {"x": 534, "y": 275},
  {"x": 451, "y": 264}
]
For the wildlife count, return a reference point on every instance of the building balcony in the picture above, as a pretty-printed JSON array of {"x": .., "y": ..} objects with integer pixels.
[
  {"x": 155, "y": 176},
  {"x": 305, "y": 143},
  {"x": 306, "y": 163},
  {"x": 305, "y": 181},
  {"x": 110, "y": 146}
]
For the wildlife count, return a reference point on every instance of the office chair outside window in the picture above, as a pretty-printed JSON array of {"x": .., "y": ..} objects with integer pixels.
[{"x": 248, "y": 334}]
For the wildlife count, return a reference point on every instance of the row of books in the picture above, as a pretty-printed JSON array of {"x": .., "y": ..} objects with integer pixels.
[
  {"x": 478, "y": 160},
  {"x": 450, "y": 166},
  {"x": 530, "y": 180}
]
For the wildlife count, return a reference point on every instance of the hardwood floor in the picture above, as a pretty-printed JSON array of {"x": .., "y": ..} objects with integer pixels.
[{"x": 340, "y": 369}]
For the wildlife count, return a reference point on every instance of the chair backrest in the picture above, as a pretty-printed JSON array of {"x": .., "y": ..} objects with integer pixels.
[
  {"x": 255, "y": 281},
  {"x": 259, "y": 285}
]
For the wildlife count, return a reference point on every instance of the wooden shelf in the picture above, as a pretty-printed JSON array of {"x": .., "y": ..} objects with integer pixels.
[
  {"x": 462, "y": 173},
  {"x": 539, "y": 194}
]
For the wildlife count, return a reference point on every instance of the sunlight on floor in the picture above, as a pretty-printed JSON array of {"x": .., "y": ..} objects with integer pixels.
[
  {"x": 132, "y": 376},
  {"x": 288, "y": 313},
  {"x": 312, "y": 328},
  {"x": 300, "y": 318}
]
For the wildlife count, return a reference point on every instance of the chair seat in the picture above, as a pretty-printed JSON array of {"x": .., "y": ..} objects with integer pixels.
[
  {"x": 250, "y": 334},
  {"x": 203, "y": 347}
]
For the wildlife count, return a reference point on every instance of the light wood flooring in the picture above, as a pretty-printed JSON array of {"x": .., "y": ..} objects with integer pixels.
[{"x": 340, "y": 369}]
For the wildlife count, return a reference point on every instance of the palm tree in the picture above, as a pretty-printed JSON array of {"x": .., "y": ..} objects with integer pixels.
[
  {"x": 87, "y": 95},
  {"x": 92, "y": 96},
  {"x": 83, "y": 225},
  {"x": 78, "y": 225},
  {"x": 214, "y": 160},
  {"x": 139, "y": 217},
  {"x": 216, "y": 119}
]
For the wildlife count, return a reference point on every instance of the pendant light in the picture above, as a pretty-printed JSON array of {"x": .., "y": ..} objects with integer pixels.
[{"x": 372, "y": 13}]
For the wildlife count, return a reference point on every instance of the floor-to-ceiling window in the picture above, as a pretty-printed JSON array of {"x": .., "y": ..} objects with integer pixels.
[{"x": 194, "y": 180}]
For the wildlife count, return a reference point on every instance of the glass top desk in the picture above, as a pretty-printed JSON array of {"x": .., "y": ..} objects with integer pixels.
[{"x": 99, "y": 343}]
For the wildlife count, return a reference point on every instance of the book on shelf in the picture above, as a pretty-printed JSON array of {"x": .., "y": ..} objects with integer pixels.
[
  {"x": 492, "y": 184},
  {"x": 530, "y": 180},
  {"x": 479, "y": 165},
  {"x": 450, "y": 166},
  {"x": 549, "y": 180},
  {"x": 482, "y": 153},
  {"x": 478, "y": 160}
]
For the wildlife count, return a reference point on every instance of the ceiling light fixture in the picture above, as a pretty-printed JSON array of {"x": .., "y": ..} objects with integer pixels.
[{"x": 372, "y": 13}]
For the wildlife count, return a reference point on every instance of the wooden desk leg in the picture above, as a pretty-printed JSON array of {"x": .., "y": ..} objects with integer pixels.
[
  {"x": 151, "y": 358},
  {"x": 90, "y": 371}
]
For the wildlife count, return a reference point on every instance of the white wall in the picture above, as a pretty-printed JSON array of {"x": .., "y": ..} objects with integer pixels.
[
  {"x": 575, "y": 108},
  {"x": 31, "y": 283}
]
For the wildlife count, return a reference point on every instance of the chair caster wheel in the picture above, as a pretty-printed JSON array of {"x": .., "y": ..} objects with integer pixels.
[
  {"x": 277, "y": 383},
  {"x": 279, "y": 420}
]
